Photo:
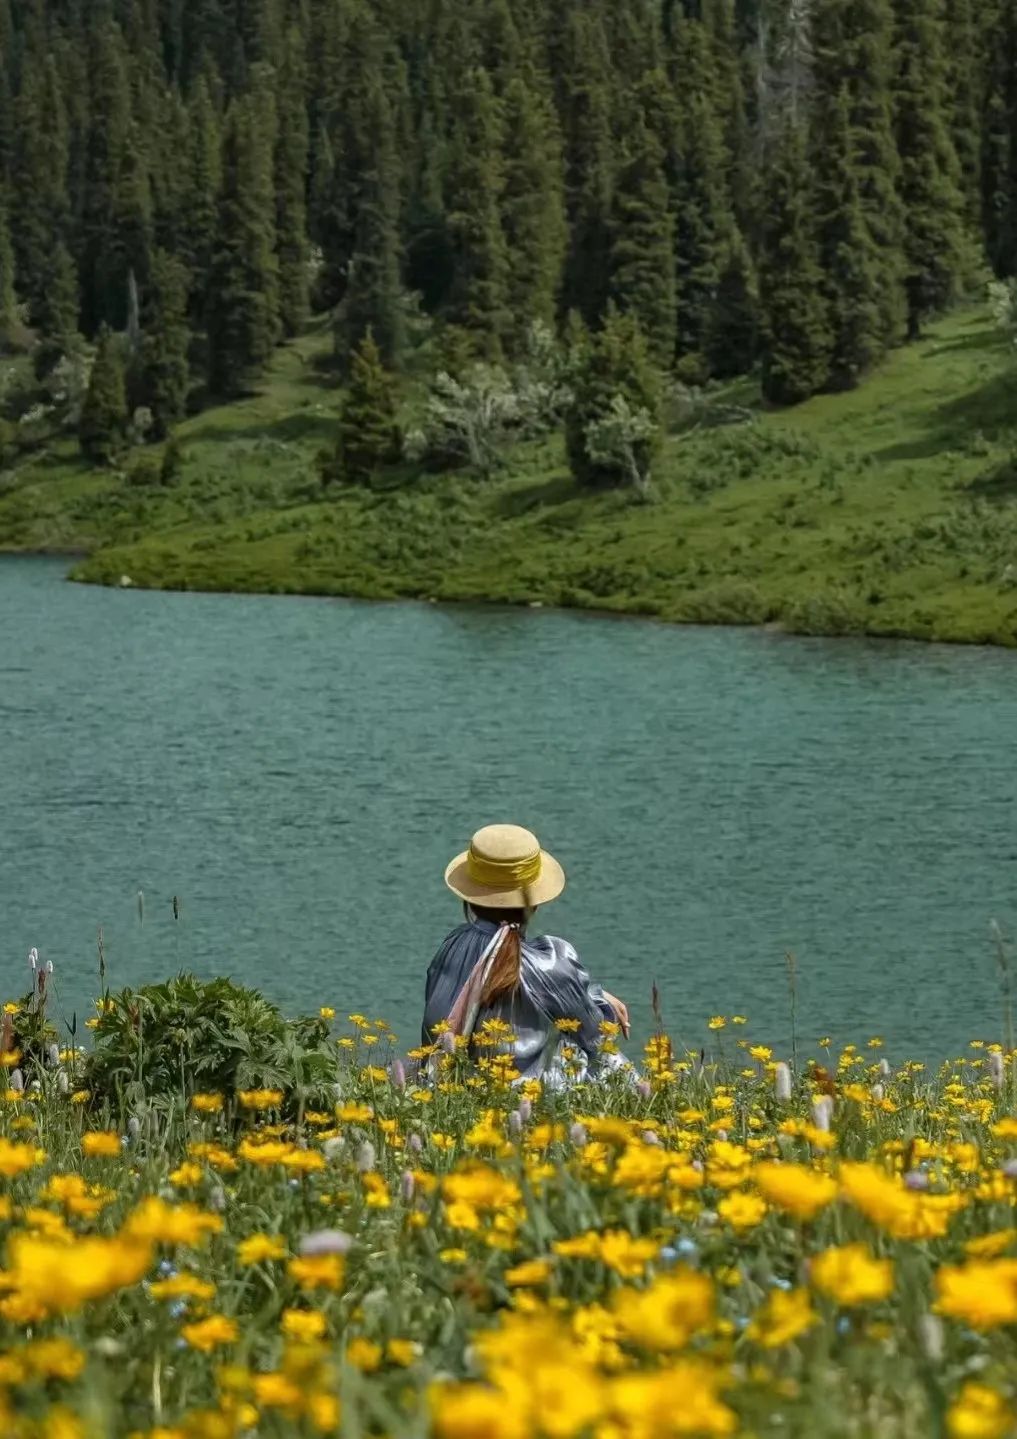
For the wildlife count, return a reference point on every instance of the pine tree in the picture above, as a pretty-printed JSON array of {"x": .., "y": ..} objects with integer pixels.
[
  {"x": 965, "y": 89},
  {"x": 201, "y": 201},
  {"x": 847, "y": 252},
  {"x": 164, "y": 374},
  {"x": 103, "y": 425},
  {"x": 368, "y": 438},
  {"x": 373, "y": 300},
  {"x": 703, "y": 218},
  {"x": 613, "y": 366},
  {"x": 242, "y": 322},
  {"x": 532, "y": 208},
  {"x": 290, "y": 173},
  {"x": 731, "y": 342},
  {"x": 8, "y": 313},
  {"x": 55, "y": 313},
  {"x": 999, "y": 139},
  {"x": 794, "y": 333},
  {"x": 642, "y": 249},
  {"x": 589, "y": 163},
  {"x": 478, "y": 299},
  {"x": 38, "y": 177},
  {"x": 852, "y": 54},
  {"x": 929, "y": 187},
  {"x": 112, "y": 185}
]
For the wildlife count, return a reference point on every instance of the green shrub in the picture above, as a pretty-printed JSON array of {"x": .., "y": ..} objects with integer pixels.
[{"x": 189, "y": 1035}]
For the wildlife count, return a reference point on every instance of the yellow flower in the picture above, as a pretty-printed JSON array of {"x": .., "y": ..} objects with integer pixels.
[
  {"x": 760, "y": 1052},
  {"x": 785, "y": 1315},
  {"x": 207, "y": 1103},
  {"x": 625, "y": 1255},
  {"x": 327, "y": 1012},
  {"x": 665, "y": 1316},
  {"x": 531, "y": 1271},
  {"x": 452, "y": 1256},
  {"x": 318, "y": 1271},
  {"x": 402, "y": 1352},
  {"x": 56, "y": 1358},
  {"x": 990, "y": 1246},
  {"x": 852, "y": 1275},
  {"x": 303, "y": 1324},
  {"x": 795, "y": 1188},
  {"x": 256, "y": 1248},
  {"x": 473, "y": 1411},
  {"x": 104, "y": 1143},
  {"x": 717, "y": 1022},
  {"x": 1006, "y": 1128},
  {"x": 981, "y": 1294},
  {"x": 278, "y": 1391},
  {"x": 364, "y": 1354},
  {"x": 208, "y": 1334},
  {"x": 260, "y": 1098},
  {"x": 17, "y": 1159},
  {"x": 182, "y": 1286},
  {"x": 156, "y": 1222},
  {"x": 646, "y": 1406},
  {"x": 979, "y": 1412},
  {"x": 186, "y": 1174},
  {"x": 567, "y": 1026},
  {"x": 742, "y": 1211},
  {"x": 47, "y": 1276}
]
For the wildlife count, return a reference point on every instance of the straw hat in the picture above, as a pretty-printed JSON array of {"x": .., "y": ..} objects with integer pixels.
[{"x": 505, "y": 868}]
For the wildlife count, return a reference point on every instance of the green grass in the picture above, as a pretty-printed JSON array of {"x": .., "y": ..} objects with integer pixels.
[{"x": 889, "y": 510}]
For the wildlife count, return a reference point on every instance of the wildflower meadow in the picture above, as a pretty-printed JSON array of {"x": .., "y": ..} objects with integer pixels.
[{"x": 343, "y": 1239}]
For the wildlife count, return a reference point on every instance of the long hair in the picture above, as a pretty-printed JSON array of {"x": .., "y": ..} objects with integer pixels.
[{"x": 505, "y": 972}]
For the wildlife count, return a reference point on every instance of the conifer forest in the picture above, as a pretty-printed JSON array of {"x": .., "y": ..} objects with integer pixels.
[{"x": 796, "y": 185}]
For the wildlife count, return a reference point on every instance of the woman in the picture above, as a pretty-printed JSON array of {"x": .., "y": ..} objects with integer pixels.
[{"x": 487, "y": 968}]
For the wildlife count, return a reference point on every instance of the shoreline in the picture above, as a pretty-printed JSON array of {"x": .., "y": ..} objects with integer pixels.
[{"x": 772, "y": 626}]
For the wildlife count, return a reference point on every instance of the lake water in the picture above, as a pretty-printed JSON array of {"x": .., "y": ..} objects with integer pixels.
[{"x": 297, "y": 772}]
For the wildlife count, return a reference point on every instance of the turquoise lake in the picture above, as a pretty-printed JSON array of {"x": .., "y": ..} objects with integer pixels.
[{"x": 297, "y": 772}]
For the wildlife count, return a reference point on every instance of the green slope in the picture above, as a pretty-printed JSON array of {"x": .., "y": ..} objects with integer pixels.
[{"x": 889, "y": 510}]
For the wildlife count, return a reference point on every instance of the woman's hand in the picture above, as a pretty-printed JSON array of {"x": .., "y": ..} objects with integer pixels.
[{"x": 621, "y": 1010}]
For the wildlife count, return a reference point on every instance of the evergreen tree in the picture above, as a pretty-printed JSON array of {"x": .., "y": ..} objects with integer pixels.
[
  {"x": 613, "y": 371},
  {"x": 7, "y": 296},
  {"x": 848, "y": 255},
  {"x": 642, "y": 250},
  {"x": 852, "y": 56},
  {"x": 368, "y": 437},
  {"x": 704, "y": 223},
  {"x": 731, "y": 343},
  {"x": 290, "y": 175},
  {"x": 532, "y": 208},
  {"x": 794, "y": 333},
  {"x": 965, "y": 90},
  {"x": 243, "y": 279},
  {"x": 163, "y": 366},
  {"x": 38, "y": 178},
  {"x": 373, "y": 300},
  {"x": 929, "y": 187},
  {"x": 474, "y": 185},
  {"x": 114, "y": 185},
  {"x": 55, "y": 313},
  {"x": 589, "y": 164},
  {"x": 201, "y": 200},
  {"x": 999, "y": 139},
  {"x": 103, "y": 425}
]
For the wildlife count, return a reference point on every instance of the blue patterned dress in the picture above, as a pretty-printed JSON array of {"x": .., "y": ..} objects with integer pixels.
[{"x": 553, "y": 986}]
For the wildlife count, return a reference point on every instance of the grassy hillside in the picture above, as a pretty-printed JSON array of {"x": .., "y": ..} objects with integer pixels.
[{"x": 889, "y": 510}]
